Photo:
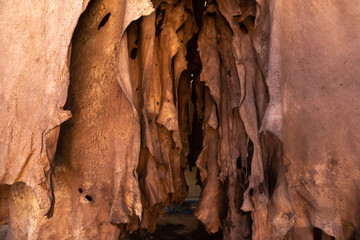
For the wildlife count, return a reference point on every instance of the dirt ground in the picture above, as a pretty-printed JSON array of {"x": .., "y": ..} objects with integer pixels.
[{"x": 177, "y": 226}]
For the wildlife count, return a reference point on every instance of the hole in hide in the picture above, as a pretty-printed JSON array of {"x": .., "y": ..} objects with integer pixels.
[
  {"x": 238, "y": 163},
  {"x": 250, "y": 155},
  {"x": 80, "y": 190},
  {"x": 133, "y": 53},
  {"x": 243, "y": 28},
  {"x": 251, "y": 192},
  {"x": 104, "y": 20},
  {"x": 89, "y": 198}
]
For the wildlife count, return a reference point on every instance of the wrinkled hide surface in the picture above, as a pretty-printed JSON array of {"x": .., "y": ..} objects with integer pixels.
[
  {"x": 262, "y": 96},
  {"x": 34, "y": 79},
  {"x": 321, "y": 113},
  {"x": 95, "y": 180}
]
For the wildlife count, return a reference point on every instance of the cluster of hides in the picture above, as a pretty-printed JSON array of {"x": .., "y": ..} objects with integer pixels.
[
  {"x": 262, "y": 94},
  {"x": 160, "y": 84}
]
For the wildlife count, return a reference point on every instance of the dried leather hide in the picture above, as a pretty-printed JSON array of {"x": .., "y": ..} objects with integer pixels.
[
  {"x": 34, "y": 78},
  {"x": 95, "y": 181},
  {"x": 320, "y": 92},
  {"x": 262, "y": 94}
]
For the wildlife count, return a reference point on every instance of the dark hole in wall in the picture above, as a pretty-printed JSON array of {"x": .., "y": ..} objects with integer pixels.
[{"x": 104, "y": 20}]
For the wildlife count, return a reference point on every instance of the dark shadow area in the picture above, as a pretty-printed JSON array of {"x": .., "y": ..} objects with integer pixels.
[{"x": 177, "y": 226}]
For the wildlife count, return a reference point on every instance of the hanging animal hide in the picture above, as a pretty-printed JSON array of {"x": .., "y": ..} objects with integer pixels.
[{"x": 104, "y": 104}]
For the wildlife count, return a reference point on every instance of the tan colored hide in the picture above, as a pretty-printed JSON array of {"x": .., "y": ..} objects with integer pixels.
[
  {"x": 319, "y": 67},
  {"x": 309, "y": 68},
  {"x": 167, "y": 35},
  {"x": 263, "y": 94},
  {"x": 35, "y": 38},
  {"x": 96, "y": 186}
]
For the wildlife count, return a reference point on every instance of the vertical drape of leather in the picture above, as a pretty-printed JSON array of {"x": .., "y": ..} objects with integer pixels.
[
  {"x": 212, "y": 192},
  {"x": 157, "y": 49},
  {"x": 34, "y": 77},
  {"x": 160, "y": 101},
  {"x": 266, "y": 195},
  {"x": 277, "y": 42},
  {"x": 249, "y": 163},
  {"x": 168, "y": 46},
  {"x": 220, "y": 75},
  {"x": 249, "y": 75},
  {"x": 281, "y": 96},
  {"x": 319, "y": 57},
  {"x": 233, "y": 138},
  {"x": 142, "y": 36},
  {"x": 95, "y": 181}
]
